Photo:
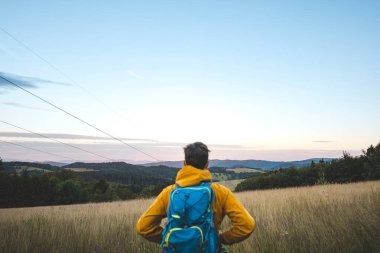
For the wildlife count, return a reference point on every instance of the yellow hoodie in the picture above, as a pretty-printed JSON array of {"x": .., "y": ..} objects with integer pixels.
[{"x": 225, "y": 203}]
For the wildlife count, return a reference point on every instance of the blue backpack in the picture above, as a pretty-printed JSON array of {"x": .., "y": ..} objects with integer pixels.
[{"x": 190, "y": 226}]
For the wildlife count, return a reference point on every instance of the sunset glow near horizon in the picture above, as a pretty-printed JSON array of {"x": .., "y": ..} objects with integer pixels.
[{"x": 251, "y": 79}]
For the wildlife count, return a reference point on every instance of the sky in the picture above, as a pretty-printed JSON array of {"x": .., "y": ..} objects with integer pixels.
[{"x": 272, "y": 80}]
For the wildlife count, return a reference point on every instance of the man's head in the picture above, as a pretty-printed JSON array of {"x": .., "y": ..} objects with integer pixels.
[{"x": 196, "y": 155}]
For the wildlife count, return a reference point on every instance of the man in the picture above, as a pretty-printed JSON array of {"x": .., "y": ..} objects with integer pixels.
[{"x": 193, "y": 173}]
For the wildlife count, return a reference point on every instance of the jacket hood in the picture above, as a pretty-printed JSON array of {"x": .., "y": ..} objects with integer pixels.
[{"x": 190, "y": 175}]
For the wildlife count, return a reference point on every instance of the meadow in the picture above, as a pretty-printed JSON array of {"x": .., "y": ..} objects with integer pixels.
[{"x": 323, "y": 218}]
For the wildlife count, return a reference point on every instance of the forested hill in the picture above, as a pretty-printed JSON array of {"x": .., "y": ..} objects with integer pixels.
[
  {"x": 343, "y": 170},
  {"x": 121, "y": 172},
  {"x": 254, "y": 164},
  {"x": 80, "y": 167},
  {"x": 166, "y": 169},
  {"x": 32, "y": 184},
  {"x": 124, "y": 173},
  {"x": 122, "y": 167},
  {"x": 13, "y": 166}
]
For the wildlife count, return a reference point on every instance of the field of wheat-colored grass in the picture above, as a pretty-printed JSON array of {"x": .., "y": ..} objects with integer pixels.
[
  {"x": 326, "y": 218},
  {"x": 242, "y": 170},
  {"x": 230, "y": 184}
]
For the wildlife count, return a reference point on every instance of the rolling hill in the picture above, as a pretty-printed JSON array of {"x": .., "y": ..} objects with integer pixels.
[{"x": 254, "y": 164}]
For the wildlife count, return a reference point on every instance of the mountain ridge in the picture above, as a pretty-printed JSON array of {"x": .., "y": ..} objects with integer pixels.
[{"x": 250, "y": 163}]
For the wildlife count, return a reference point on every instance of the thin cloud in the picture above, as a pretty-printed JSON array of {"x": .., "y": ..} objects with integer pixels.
[
  {"x": 133, "y": 74},
  {"x": 183, "y": 144},
  {"x": 25, "y": 81},
  {"x": 68, "y": 136}
]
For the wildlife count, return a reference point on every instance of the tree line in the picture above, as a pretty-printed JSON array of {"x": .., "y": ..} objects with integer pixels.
[
  {"x": 343, "y": 170},
  {"x": 68, "y": 187}
]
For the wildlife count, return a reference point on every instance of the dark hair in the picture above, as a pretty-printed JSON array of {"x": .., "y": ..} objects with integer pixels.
[{"x": 196, "y": 155}]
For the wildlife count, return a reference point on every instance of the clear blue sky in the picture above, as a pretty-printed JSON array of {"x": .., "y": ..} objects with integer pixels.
[{"x": 278, "y": 80}]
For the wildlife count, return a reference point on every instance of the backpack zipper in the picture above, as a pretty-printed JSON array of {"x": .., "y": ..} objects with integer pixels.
[{"x": 176, "y": 229}]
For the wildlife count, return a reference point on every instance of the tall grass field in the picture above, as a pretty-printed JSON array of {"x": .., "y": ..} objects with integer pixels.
[{"x": 324, "y": 218}]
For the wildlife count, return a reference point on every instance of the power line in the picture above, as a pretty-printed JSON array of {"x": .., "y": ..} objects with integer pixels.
[
  {"x": 79, "y": 119},
  {"x": 46, "y": 152},
  {"x": 35, "y": 53},
  {"x": 59, "y": 71},
  {"x": 63, "y": 74},
  {"x": 47, "y": 137}
]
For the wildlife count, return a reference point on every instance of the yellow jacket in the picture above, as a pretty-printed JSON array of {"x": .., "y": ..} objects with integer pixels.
[{"x": 225, "y": 203}]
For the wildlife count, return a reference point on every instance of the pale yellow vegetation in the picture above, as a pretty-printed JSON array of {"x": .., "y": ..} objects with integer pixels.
[
  {"x": 80, "y": 169},
  {"x": 22, "y": 168},
  {"x": 242, "y": 170},
  {"x": 230, "y": 184},
  {"x": 327, "y": 218}
]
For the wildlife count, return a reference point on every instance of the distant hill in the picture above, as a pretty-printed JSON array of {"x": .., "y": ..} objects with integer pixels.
[
  {"x": 166, "y": 169},
  {"x": 12, "y": 167},
  {"x": 122, "y": 167},
  {"x": 33, "y": 184},
  {"x": 125, "y": 173},
  {"x": 116, "y": 172},
  {"x": 122, "y": 172},
  {"x": 57, "y": 164},
  {"x": 254, "y": 164},
  {"x": 346, "y": 169}
]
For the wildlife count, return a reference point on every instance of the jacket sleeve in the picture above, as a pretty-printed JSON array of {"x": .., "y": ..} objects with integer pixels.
[
  {"x": 242, "y": 222},
  {"x": 148, "y": 225}
]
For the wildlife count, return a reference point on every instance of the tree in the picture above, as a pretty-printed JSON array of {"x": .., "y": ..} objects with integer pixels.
[
  {"x": 100, "y": 187},
  {"x": 1, "y": 164},
  {"x": 371, "y": 159},
  {"x": 71, "y": 192}
]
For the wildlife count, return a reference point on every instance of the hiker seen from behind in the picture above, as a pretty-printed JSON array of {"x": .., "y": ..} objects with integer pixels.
[{"x": 195, "y": 207}]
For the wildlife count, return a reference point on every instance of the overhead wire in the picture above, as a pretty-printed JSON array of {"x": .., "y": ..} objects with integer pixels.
[
  {"x": 62, "y": 74},
  {"x": 42, "y": 151},
  {"x": 78, "y": 118},
  {"x": 57, "y": 69},
  {"x": 58, "y": 141}
]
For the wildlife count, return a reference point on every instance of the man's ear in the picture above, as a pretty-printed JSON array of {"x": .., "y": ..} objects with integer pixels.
[
  {"x": 184, "y": 163},
  {"x": 206, "y": 166}
]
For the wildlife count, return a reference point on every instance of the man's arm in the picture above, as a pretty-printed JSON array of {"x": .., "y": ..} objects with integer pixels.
[
  {"x": 242, "y": 222},
  {"x": 148, "y": 225}
]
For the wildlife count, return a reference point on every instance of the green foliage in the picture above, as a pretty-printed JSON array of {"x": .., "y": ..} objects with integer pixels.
[
  {"x": 68, "y": 187},
  {"x": 121, "y": 167},
  {"x": 12, "y": 166},
  {"x": 33, "y": 184},
  {"x": 71, "y": 191},
  {"x": 344, "y": 170},
  {"x": 222, "y": 174},
  {"x": 1, "y": 164},
  {"x": 100, "y": 187},
  {"x": 126, "y": 178}
]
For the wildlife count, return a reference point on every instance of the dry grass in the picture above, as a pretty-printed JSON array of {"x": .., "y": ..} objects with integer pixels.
[
  {"x": 80, "y": 169},
  {"x": 328, "y": 218},
  {"x": 242, "y": 170},
  {"x": 22, "y": 168},
  {"x": 231, "y": 184}
]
